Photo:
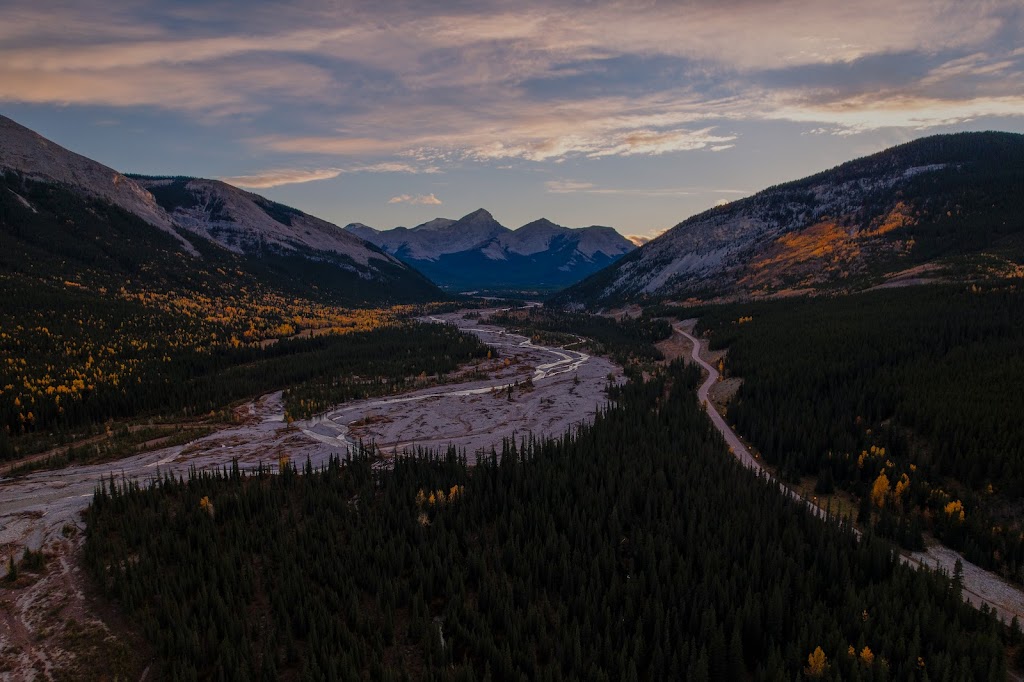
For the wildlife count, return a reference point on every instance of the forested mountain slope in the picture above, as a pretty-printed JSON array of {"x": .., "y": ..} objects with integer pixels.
[
  {"x": 941, "y": 207},
  {"x": 71, "y": 211},
  {"x": 110, "y": 308}
]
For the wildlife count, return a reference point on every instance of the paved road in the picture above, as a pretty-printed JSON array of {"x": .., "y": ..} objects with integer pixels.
[{"x": 980, "y": 586}]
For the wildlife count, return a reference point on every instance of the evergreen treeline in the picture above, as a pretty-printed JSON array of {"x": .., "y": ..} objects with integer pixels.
[
  {"x": 384, "y": 362},
  {"x": 625, "y": 340},
  {"x": 632, "y": 549},
  {"x": 160, "y": 377},
  {"x": 909, "y": 398}
]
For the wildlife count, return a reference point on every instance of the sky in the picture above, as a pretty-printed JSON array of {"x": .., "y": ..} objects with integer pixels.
[{"x": 630, "y": 114}]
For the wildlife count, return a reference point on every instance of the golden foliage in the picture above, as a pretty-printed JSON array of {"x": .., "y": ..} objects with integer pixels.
[
  {"x": 126, "y": 355},
  {"x": 880, "y": 490},
  {"x": 901, "y": 487},
  {"x": 898, "y": 217},
  {"x": 817, "y": 663},
  {"x": 866, "y": 657},
  {"x": 820, "y": 249},
  {"x": 955, "y": 510}
]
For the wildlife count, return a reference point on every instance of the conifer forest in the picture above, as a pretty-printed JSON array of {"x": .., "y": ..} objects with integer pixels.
[{"x": 632, "y": 548}]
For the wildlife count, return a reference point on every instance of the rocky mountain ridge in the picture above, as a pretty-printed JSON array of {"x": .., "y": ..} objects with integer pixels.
[
  {"x": 922, "y": 208},
  {"x": 476, "y": 251},
  {"x": 199, "y": 213}
]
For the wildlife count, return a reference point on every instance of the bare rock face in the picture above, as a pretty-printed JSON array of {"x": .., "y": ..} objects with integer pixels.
[
  {"x": 930, "y": 203},
  {"x": 245, "y": 223},
  {"x": 195, "y": 211},
  {"x": 35, "y": 157}
]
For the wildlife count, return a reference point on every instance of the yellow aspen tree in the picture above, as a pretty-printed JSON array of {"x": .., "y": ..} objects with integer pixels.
[
  {"x": 866, "y": 657},
  {"x": 817, "y": 662},
  {"x": 880, "y": 490},
  {"x": 206, "y": 505},
  {"x": 901, "y": 487},
  {"x": 955, "y": 510}
]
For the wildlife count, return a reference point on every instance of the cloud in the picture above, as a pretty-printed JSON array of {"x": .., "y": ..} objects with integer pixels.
[
  {"x": 532, "y": 133},
  {"x": 568, "y": 186},
  {"x": 865, "y": 113},
  {"x": 419, "y": 199},
  {"x": 573, "y": 187},
  {"x": 543, "y": 82},
  {"x": 219, "y": 90},
  {"x": 638, "y": 239},
  {"x": 284, "y": 176},
  {"x": 393, "y": 167},
  {"x": 293, "y": 176}
]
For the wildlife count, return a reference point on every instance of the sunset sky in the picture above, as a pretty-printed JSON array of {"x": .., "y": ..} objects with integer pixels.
[{"x": 630, "y": 114}]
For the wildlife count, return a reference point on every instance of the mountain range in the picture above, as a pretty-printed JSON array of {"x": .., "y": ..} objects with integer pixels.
[
  {"x": 476, "y": 252},
  {"x": 945, "y": 207},
  {"x": 63, "y": 212}
]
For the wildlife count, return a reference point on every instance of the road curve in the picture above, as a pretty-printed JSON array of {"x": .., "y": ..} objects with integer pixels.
[
  {"x": 740, "y": 451},
  {"x": 979, "y": 585}
]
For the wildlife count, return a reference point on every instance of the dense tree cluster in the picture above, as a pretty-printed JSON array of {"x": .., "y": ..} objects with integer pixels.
[
  {"x": 386, "y": 361},
  {"x": 69, "y": 362},
  {"x": 625, "y": 340},
  {"x": 909, "y": 398},
  {"x": 634, "y": 548}
]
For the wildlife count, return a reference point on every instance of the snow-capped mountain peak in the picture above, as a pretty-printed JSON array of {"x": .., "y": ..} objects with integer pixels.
[{"x": 478, "y": 252}]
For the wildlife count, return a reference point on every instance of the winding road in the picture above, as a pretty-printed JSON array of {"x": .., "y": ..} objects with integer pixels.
[{"x": 979, "y": 585}]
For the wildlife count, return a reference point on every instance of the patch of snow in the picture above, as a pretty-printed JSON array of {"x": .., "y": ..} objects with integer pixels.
[{"x": 23, "y": 201}]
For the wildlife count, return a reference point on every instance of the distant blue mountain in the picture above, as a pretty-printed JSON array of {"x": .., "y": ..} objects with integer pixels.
[{"x": 476, "y": 252}]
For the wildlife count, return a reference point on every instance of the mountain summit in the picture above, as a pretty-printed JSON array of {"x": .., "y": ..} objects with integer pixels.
[
  {"x": 942, "y": 207},
  {"x": 195, "y": 224},
  {"x": 477, "y": 252}
]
